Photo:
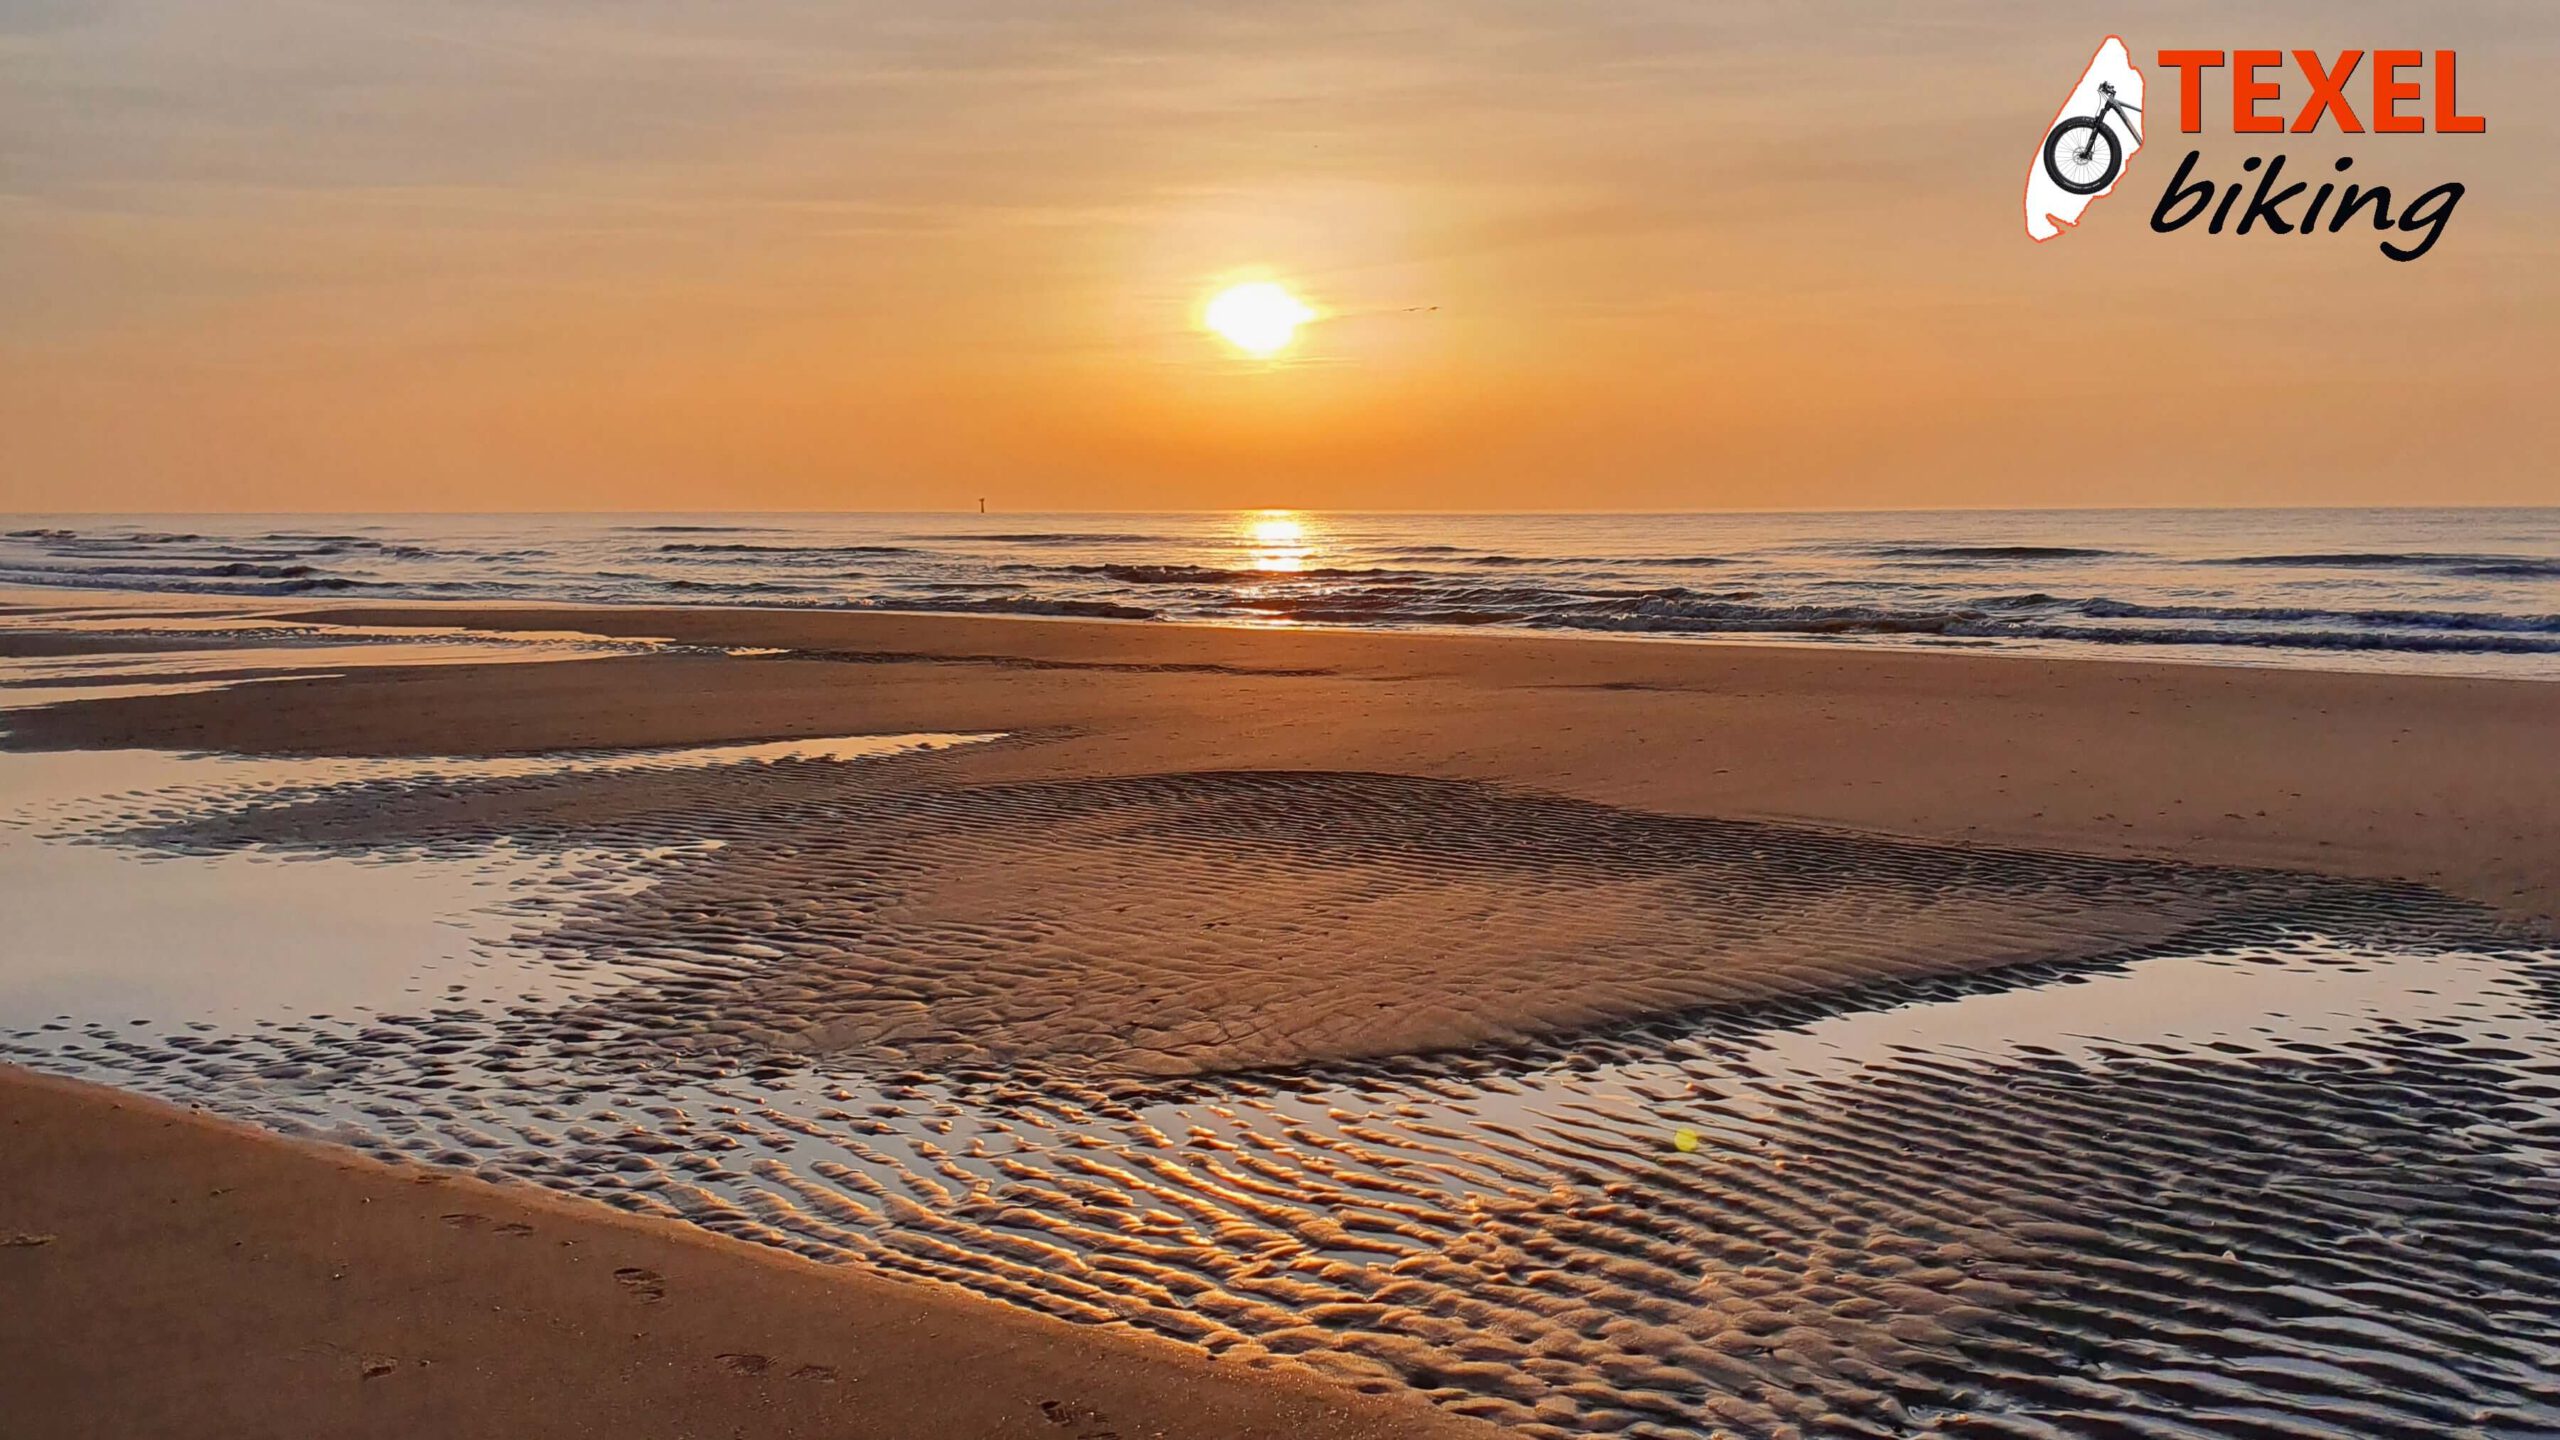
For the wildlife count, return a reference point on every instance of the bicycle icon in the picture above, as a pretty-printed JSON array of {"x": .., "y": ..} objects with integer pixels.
[{"x": 2088, "y": 164}]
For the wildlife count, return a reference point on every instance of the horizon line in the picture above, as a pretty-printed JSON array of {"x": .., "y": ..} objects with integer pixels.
[{"x": 1332, "y": 510}]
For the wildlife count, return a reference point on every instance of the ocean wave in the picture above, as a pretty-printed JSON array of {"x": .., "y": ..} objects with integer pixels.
[
  {"x": 481, "y": 587},
  {"x": 1329, "y": 613},
  {"x": 1220, "y": 575},
  {"x": 1016, "y": 605},
  {"x": 156, "y": 577},
  {"x": 365, "y": 544},
  {"x": 2502, "y": 567},
  {"x": 1990, "y": 552},
  {"x": 248, "y": 569},
  {"x": 2522, "y": 635},
  {"x": 320, "y": 583},
  {"x": 694, "y": 529},
  {"x": 161, "y": 547},
  {"x": 1472, "y": 555},
  {"x": 2262, "y": 614},
  {"x": 1685, "y": 613},
  {"x": 79, "y": 542},
  {"x": 742, "y": 587},
  {"x": 1366, "y": 609},
  {"x": 2471, "y": 643},
  {"x": 187, "y": 582},
  {"x": 1045, "y": 537},
  {"x": 696, "y": 547},
  {"x": 1438, "y": 605},
  {"x": 113, "y": 537},
  {"x": 1146, "y": 574}
]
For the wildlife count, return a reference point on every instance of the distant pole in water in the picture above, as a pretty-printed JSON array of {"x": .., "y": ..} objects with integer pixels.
[{"x": 982, "y": 505}]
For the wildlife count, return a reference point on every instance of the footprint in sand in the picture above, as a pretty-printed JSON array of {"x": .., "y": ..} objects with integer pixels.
[
  {"x": 465, "y": 1220},
  {"x": 649, "y": 1285},
  {"x": 377, "y": 1366},
  {"x": 1089, "y": 1423},
  {"x": 23, "y": 1240},
  {"x": 746, "y": 1364},
  {"x": 823, "y": 1374}
]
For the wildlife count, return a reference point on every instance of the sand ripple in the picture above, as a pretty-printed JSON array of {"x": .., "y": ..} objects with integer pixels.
[
  {"x": 1138, "y": 1051},
  {"x": 1164, "y": 925}
]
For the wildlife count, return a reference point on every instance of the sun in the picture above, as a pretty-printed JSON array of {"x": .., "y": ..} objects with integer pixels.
[{"x": 1258, "y": 317}]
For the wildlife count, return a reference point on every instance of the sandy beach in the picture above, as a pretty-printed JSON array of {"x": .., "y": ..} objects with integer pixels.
[
  {"x": 1189, "y": 722},
  {"x": 170, "y": 1274},
  {"x": 1154, "y": 864}
]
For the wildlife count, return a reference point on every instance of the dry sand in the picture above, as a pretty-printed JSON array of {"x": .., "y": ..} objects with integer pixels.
[{"x": 166, "y": 1274}]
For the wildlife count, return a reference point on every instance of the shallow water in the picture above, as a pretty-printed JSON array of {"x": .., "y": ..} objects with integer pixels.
[
  {"x": 2298, "y": 1183},
  {"x": 88, "y": 649},
  {"x": 2445, "y": 591}
]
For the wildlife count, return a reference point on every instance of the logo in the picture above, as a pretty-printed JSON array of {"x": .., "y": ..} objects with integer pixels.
[{"x": 2085, "y": 151}]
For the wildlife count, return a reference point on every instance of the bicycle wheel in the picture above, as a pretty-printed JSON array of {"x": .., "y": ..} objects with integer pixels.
[{"x": 2083, "y": 164}]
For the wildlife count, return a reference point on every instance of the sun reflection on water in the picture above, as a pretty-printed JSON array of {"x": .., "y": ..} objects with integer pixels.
[{"x": 1277, "y": 541}]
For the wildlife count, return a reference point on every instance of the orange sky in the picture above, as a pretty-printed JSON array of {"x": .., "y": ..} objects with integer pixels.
[{"x": 369, "y": 255}]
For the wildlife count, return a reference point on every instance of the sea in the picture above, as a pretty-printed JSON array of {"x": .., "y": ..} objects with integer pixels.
[{"x": 2465, "y": 591}]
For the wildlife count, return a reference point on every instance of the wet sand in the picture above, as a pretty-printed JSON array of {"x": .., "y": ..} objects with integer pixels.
[
  {"x": 1197, "y": 850},
  {"x": 170, "y": 1274},
  {"x": 2444, "y": 781},
  {"x": 1328, "y": 1001}
]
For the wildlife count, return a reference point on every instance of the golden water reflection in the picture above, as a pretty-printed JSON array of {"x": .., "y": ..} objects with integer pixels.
[{"x": 1277, "y": 541}]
